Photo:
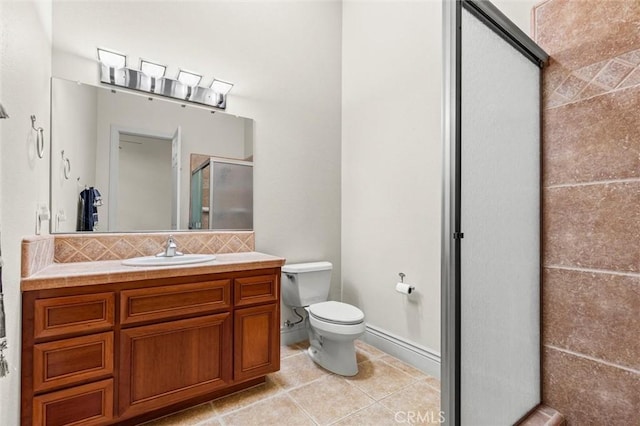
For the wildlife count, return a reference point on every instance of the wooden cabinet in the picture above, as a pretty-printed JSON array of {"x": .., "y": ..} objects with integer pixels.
[
  {"x": 165, "y": 363},
  {"x": 58, "y": 316},
  {"x": 70, "y": 361},
  {"x": 123, "y": 352},
  {"x": 90, "y": 404},
  {"x": 256, "y": 341},
  {"x": 158, "y": 303}
]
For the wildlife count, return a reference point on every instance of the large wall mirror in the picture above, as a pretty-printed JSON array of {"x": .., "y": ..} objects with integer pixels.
[{"x": 125, "y": 162}]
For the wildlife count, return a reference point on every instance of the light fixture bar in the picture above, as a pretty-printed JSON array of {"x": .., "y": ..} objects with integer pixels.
[{"x": 151, "y": 79}]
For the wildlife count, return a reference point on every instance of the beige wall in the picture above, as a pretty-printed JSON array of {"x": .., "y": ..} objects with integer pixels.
[
  {"x": 25, "y": 68},
  {"x": 391, "y": 156}
]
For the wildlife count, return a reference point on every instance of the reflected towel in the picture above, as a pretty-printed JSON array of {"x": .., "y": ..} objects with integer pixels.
[{"x": 90, "y": 200}]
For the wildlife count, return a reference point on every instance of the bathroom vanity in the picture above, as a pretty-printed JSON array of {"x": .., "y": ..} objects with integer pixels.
[{"x": 105, "y": 343}]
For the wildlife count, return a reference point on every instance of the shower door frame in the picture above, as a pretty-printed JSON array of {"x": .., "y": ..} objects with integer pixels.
[{"x": 452, "y": 233}]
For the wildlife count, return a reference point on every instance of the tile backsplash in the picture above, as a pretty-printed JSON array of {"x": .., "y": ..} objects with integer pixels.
[{"x": 38, "y": 252}]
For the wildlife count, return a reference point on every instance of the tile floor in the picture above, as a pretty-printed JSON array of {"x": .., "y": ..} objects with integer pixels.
[{"x": 385, "y": 391}]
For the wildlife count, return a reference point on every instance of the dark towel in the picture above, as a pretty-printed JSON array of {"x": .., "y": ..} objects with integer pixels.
[{"x": 88, "y": 204}]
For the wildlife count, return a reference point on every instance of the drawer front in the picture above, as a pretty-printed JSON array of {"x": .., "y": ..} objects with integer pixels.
[
  {"x": 155, "y": 303},
  {"x": 58, "y": 316},
  {"x": 254, "y": 290},
  {"x": 90, "y": 404},
  {"x": 70, "y": 361}
]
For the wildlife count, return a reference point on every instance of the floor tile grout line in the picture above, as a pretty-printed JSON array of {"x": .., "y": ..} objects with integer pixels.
[
  {"x": 593, "y": 183},
  {"x": 312, "y": 418},
  {"x": 235, "y": 410},
  {"x": 344, "y": 379},
  {"x": 594, "y": 271},
  {"x": 590, "y": 358},
  {"x": 353, "y": 413}
]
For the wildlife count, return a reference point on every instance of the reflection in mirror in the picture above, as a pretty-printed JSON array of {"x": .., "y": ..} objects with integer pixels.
[
  {"x": 221, "y": 194},
  {"x": 135, "y": 152}
]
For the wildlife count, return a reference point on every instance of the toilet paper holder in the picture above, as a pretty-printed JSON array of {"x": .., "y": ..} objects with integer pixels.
[{"x": 403, "y": 288}]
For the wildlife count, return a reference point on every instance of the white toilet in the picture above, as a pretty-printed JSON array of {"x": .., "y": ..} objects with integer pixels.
[{"x": 332, "y": 326}]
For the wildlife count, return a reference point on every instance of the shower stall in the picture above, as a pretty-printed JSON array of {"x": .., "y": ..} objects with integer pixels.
[
  {"x": 222, "y": 195},
  {"x": 491, "y": 217}
]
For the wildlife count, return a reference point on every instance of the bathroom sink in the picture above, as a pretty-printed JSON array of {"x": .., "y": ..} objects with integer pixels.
[{"x": 184, "y": 259}]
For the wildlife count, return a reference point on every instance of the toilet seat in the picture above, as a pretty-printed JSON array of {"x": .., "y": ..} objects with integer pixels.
[{"x": 336, "y": 313}]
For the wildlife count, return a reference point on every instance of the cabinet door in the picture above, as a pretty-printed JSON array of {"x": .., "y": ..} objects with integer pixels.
[
  {"x": 256, "y": 341},
  {"x": 162, "y": 364}
]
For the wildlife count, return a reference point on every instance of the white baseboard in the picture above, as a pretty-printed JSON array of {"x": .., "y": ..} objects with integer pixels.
[{"x": 413, "y": 354}]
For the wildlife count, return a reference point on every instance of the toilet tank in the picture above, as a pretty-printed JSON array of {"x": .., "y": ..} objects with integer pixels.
[{"x": 304, "y": 284}]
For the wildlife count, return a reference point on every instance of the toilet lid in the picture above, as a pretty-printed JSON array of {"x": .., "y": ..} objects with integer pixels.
[{"x": 336, "y": 312}]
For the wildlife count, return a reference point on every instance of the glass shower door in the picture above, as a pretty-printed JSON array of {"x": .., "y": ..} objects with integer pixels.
[{"x": 491, "y": 240}]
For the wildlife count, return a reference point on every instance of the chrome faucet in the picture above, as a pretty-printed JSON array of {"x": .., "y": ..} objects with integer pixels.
[{"x": 171, "y": 249}]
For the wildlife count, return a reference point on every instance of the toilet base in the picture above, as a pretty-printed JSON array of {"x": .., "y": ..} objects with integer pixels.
[{"x": 337, "y": 357}]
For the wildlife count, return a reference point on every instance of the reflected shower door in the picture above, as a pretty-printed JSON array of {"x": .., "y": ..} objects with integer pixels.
[{"x": 492, "y": 321}]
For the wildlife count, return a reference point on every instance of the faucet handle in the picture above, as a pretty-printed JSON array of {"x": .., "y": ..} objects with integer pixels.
[{"x": 170, "y": 249}]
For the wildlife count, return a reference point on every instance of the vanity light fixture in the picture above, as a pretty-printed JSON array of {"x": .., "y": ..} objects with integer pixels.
[
  {"x": 155, "y": 72},
  {"x": 111, "y": 58},
  {"x": 150, "y": 78},
  {"x": 152, "y": 69},
  {"x": 220, "y": 89},
  {"x": 189, "y": 78},
  {"x": 112, "y": 66}
]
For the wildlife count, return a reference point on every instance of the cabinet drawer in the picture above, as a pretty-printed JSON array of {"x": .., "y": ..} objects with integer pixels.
[
  {"x": 254, "y": 290},
  {"x": 90, "y": 404},
  {"x": 70, "y": 361},
  {"x": 155, "y": 303},
  {"x": 73, "y": 314}
]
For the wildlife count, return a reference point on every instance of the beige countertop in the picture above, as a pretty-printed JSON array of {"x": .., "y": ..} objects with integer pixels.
[{"x": 59, "y": 275}]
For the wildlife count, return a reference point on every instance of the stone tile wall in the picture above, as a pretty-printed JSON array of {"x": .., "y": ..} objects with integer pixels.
[{"x": 591, "y": 209}]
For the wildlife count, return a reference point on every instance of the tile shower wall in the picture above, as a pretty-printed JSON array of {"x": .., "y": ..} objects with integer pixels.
[{"x": 591, "y": 209}]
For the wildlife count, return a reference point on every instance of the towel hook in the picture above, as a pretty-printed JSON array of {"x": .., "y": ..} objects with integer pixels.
[
  {"x": 66, "y": 166},
  {"x": 39, "y": 137},
  {"x": 402, "y": 275}
]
